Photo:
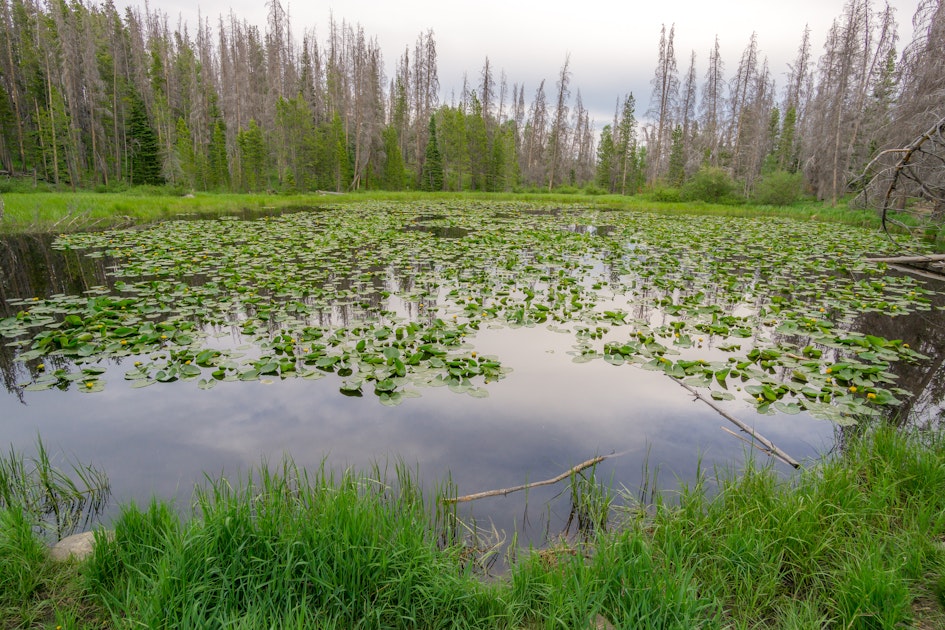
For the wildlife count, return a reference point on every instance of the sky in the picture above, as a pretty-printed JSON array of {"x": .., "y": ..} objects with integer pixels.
[{"x": 613, "y": 45}]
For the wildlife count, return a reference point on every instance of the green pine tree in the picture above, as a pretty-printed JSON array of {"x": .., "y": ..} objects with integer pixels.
[
  {"x": 253, "y": 157},
  {"x": 606, "y": 154},
  {"x": 218, "y": 165},
  {"x": 787, "y": 154},
  {"x": 184, "y": 150},
  {"x": 144, "y": 163},
  {"x": 394, "y": 169},
  {"x": 677, "y": 159},
  {"x": 432, "y": 174}
]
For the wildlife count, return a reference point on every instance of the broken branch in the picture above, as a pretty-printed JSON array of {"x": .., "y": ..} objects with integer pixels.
[{"x": 547, "y": 482}]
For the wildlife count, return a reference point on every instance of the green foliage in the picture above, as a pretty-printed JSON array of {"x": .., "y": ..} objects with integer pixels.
[
  {"x": 144, "y": 164},
  {"x": 431, "y": 178},
  {"x": 787, "y": 149},
  {"x": 477, "y": 138},
  {"x": 286, "y": 545},
  {"x": 870, "y": 593},
  {"x": 849, "y": 542},
  {"x": 395, "y": 173},
  {"x": 218, "y": 163},
  {"x": 709, "y": 184},
  {"x": 453, "y": 147},
  {"x": 606, "y": 154},
  {"x": 186, "y": 159},
  {"x": 665, "y": 194},
  {"x": 630, "y": 160},
  {"x": 22, "y": 556},
  {"x": 779, "y": 188},
  {"x": 677, "y": 159},
  {"x": 254, "y": 158},
  {"x": 335, "y": 159}
]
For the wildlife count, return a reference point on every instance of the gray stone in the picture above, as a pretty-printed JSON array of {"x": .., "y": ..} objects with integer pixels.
[{"x": 78, "y": 546}]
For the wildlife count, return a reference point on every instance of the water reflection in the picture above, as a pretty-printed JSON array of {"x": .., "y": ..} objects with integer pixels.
[
  {"x": 29, "y": 267},
  {"x": 925, "y": 332},
  {"x": 591, "y": 230},
  {"x": 428, "y": 223},
  {"x": 543, "y": 418}
]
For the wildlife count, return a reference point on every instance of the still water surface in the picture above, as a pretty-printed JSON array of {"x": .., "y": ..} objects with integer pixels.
[{"x": 544, "y": 417}]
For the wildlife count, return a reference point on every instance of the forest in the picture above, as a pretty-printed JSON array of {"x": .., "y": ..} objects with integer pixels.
[{"x": 93, "y": 98}]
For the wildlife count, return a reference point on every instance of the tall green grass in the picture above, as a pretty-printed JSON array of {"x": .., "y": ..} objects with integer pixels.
[
  {"x": 290, "y": 549},
  {"x": 55, "y": 501},
  {"x": 40, "y": 502},
  {"x": 857, "y": 541},
  {"x": 60, "y": 211}
]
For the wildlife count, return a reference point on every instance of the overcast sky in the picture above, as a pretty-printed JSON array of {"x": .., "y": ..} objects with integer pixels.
[{"x": 613, "y": 44}]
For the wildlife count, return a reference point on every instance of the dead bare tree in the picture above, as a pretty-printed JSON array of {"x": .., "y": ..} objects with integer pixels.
[{"x": 907, "y": 184}]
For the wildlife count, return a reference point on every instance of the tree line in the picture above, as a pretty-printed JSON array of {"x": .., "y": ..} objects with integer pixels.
[{"x": 91, "y": 97}]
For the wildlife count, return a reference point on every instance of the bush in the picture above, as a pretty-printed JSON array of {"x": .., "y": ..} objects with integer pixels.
[
  {"x": 712, "y": 185},
  {"x": 778, "y": 189},
  {"x": 666, "y": 195},
  {"x": 567, "y": 190},
  {"x": 23, "y": 185}
]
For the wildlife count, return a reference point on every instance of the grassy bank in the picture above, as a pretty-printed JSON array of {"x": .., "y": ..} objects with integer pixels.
[
  {"x": 45, "y": 211},
  {"x": 856, "y": 542}
]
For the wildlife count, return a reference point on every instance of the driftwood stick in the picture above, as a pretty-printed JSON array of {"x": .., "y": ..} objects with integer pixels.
[
  {"x": 907, "y": 259},
  {"x": 774, "y": 450},
  {"x": 547, "y": 482}
]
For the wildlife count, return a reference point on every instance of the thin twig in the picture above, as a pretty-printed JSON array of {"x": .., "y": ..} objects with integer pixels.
[{"x": 547, "y": 482}]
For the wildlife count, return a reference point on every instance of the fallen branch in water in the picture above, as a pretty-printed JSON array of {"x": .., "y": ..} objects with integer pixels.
[
  {"x": 908, "y": 259},
  {"x": 547, "y": 482},
  {"x": 769, "y": 447}
]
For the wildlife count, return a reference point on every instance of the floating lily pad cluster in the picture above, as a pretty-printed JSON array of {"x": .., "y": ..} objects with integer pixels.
[{"x": 388, "y": 297}]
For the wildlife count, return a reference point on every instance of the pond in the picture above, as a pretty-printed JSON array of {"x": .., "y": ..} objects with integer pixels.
[{"x": 491, "y": 344}]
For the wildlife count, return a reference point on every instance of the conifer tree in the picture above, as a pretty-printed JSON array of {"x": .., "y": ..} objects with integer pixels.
[
  {"x": 144, "y": 163},
  {"x": 253, "y": 157},
  {"x": 605, "y": 160},
  {"x": 676, "y": 174},
  {"x": 432, "y": 176},
  {"x": 394, "y": 170},
  {"x": 186, "y": 156}
]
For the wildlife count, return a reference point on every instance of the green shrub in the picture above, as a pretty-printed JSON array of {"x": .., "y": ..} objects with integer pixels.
[
  {"x": 709, "y": 184},
  {"x": 666, "y": 195},
  {"x": 23, "y": 185},
  {"x": 593, "y": 190},
  {"x": 778, "y": 189},
  {"x": 567, "y": 190}
]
